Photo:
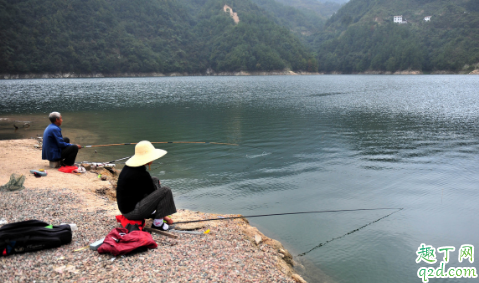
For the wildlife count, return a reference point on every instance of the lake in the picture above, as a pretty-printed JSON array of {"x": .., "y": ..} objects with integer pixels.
[{"x": 305, "y": 143}]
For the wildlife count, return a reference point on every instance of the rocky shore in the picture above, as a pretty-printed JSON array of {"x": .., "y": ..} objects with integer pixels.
[{"x": 233, "y": 251}]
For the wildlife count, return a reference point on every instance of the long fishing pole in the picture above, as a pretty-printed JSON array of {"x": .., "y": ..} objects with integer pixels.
[
  {"x": 349, "y": 233},
  {"x": 288, "y": 213},
  {"x": 104, "y": 163},
  {"x": 134, "y": 143},
  {"x": 176, "y": 142}
]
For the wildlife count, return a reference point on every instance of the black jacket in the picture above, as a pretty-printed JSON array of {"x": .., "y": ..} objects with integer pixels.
[{"x": 134, "y": 184}]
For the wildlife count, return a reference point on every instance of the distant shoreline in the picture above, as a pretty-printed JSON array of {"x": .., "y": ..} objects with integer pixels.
[
  {"x": 211, "y": 73},
  {"x": 152, "y": 74}
]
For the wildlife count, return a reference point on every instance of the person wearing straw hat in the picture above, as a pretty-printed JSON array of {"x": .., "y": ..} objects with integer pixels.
[{"x": 141, "y": 196}]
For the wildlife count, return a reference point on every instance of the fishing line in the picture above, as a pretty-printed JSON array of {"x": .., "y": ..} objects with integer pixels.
[
  {"x": 264, "y": 154},
  {"x": 113, "y": 161},
  {"x": 349, "y": 233},
  {"x": 104, "y": 163},
  {"x": 134, "y": 143},
  {"x": 291, "y": 213},
  {"x": 166, "y": 142}
]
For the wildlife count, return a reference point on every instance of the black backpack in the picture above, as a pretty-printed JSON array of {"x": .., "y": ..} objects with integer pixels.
[{"x": 32, "y": 235}]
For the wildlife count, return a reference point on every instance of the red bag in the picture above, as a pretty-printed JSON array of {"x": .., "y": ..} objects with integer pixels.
[
  {"x": 67, "y": 169},
  {"x": 120, "y": 242},
  {"x": 125, "y": 221}
]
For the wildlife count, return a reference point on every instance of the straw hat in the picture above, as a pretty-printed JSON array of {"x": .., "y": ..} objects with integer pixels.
[{"x": 145, "y": 152}]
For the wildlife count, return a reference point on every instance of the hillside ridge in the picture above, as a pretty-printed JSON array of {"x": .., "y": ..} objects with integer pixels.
[{"x": 193, "y": 36}]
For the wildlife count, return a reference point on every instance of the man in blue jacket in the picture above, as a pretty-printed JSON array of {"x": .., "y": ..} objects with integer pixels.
[{"x": 54, "y": 147}]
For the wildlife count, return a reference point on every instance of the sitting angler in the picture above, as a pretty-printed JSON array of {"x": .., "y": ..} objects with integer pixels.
[
  {"x": 55, "y": 147},
  {"x": 141, "y": 196}
]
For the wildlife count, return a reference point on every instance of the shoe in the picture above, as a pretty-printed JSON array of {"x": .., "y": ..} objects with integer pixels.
[
  {"x": 168, "y": 220},
  {"x": 162, "y": 227},
  {"x": 38, "y": 173}
]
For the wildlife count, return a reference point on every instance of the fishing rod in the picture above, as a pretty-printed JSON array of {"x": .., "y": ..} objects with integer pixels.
[
  {"x": 320, "y": 211},
  {"x": 134, "y": 143},
  {"x": 290, "y": 213},
  {"x": 104, "y": 163},
  {"x": 349, "y": 233},
  {"x": 175, "y": 142}
]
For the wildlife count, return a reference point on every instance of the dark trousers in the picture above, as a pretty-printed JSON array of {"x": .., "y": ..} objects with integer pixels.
[
  {"x": 69, "y": 154},
  {"x": 160, "y": 200}
]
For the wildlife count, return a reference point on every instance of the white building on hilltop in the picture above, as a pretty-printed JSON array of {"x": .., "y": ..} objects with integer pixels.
[
  {"x": 427, "y": 19},
  {"x": 398, "y": 20}
]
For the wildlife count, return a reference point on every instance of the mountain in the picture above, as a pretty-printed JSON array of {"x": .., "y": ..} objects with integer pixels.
[
  {"x": 341, "y": 2},
  {"x": 362, "y": 36},
  {"x": 320, "y": 8},
  {"x": 205, "y": 36},
  {"x": 95, "y": 36},
  {"x": 88, "y": 36},
  {"x": 255, "y": 43},
  {"x": 302, "y": 22}
]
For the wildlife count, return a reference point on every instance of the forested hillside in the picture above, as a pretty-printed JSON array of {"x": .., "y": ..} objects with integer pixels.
[
  {"x": 96, "y": 36},
  {"x": 330, "y": 1},
  {"x": 301, "y": 22},
  {"x": 256, "y": 43},
  {"x": 107, "y": 36},
  {"x": 321, "y": 8},
  {"x": 362, "y": 36},
  {"x": 205, "y": 36}
]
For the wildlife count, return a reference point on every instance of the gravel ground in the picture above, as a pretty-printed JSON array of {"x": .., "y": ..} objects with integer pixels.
[{"x": 223, "y": 255}]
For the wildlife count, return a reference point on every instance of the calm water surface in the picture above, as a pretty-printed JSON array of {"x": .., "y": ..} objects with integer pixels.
[{"x": 305, "y": 143}]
